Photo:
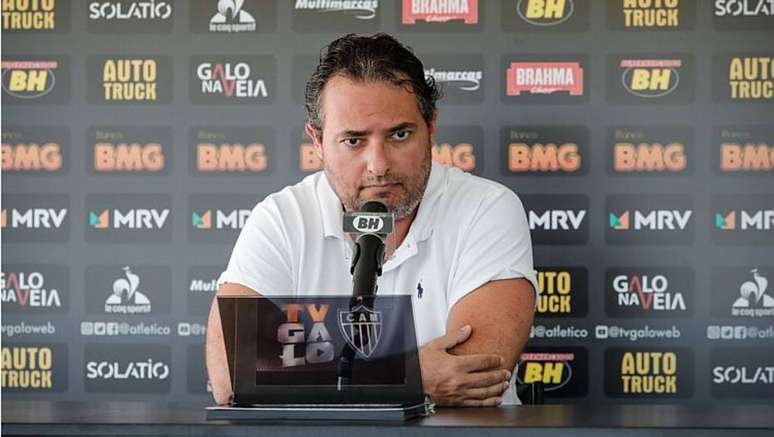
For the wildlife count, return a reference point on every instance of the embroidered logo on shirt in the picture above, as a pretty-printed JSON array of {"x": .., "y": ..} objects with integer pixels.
[{"x": 420, "y": 290}]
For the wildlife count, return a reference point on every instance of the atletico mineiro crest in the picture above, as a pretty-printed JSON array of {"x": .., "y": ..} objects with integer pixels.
[{"x": 361, "y": 328}]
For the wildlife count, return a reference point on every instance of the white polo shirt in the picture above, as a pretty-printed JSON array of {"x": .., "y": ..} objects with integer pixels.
[{"x": 468, "y": 231}]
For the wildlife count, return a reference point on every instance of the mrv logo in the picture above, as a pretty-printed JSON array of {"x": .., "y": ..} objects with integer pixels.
[
  {"x": 649, "y": 292},
  {"x": 216, "y": 218},
  {"x": 742, "y": 373},
  {"x": 563, "y": 371},
  {"x": 128, "y": 218},
  {"x": 666, "y": 220},
  {"x": 743, "y": 219},
  {"x": 232, "y": 79},
  {"x": 130, "y": 368},
  {"x": 34, "y": 289},
  {"x": 35, "y": 217},
  {"x": 557, "y": 219}
]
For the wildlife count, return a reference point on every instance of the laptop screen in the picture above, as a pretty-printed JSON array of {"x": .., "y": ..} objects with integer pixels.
[
  {"x": 302, "y": 341},
  {"x": 321, "y": 349}
]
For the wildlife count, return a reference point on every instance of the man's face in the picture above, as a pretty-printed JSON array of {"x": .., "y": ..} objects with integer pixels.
[{"x": 375, "y": 144}]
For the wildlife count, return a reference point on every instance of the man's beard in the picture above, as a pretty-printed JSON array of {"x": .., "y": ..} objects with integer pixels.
[{"x": 411, "y": 188}]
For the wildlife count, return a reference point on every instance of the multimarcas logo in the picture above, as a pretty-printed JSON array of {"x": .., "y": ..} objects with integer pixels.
[
  {"x": 742, "y": 373},
  {"x": 649, "y": 292},
  {"x": 656, "y": 219}
]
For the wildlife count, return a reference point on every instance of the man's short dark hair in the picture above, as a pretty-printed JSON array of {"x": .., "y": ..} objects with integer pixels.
[{"x": 378, "y": 57}]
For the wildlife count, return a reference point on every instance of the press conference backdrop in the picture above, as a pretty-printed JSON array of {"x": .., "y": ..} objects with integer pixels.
[{"x": 138, "y": 135}]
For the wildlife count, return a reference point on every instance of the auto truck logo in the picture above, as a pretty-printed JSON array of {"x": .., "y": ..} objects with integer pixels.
[
  {"x": 544, "y": 78},
  {"x": 361, "y": 328}
]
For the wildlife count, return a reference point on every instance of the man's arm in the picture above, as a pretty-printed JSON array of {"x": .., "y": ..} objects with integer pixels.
[
  {"x": 215, "y": 349},
  {"x": 501, "y": 313}
]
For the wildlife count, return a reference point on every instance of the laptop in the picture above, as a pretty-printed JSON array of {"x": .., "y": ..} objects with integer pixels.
[{"x": 321, "y": 358}]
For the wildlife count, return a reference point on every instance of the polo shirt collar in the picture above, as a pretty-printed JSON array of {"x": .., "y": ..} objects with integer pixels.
[{"x": 422, "y": 226}]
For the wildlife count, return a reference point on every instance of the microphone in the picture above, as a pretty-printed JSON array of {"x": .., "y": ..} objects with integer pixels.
[{"x": 368, "y": 256}]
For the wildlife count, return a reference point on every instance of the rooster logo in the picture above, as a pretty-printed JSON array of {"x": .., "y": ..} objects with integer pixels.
[
  {"x": 125, "y": 291},
  {"x": 230, "y": 11},
  {"x": 754, "y": 293}
]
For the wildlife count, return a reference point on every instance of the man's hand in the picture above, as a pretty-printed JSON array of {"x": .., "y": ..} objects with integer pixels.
[{"x": 461, "y": 380}]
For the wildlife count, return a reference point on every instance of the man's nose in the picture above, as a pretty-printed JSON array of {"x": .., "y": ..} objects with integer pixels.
[{"x": 378, "y": 158}]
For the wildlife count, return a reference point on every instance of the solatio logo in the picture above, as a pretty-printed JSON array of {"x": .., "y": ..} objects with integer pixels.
[
  {"x": 131, "y": 368},
  {"x": 741, "y": 15},
  {"x": 123, "y": 16},
  {"x": 742, "y": 373},
  {"x": 439, "y": 11}
]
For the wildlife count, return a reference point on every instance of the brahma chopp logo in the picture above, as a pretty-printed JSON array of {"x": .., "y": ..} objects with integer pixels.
[
  {"x": 33, "y": 367},
  {"x": 563, "y": 371},
  {"x": 128, "y": 368},
  {"x": 742, "y": 292},
  {"x": 130, "y": 16},
  {"x": 38, "y": 150},
  {"x": 35, "y": 289},
  {"x": 434, "y": 11},
  {"x": 557, "y": 218},
  {"x": 544, "y": 150},
  {"x": 314, "y": 16},
  {"x": 545, "y": 15},
  {"x": 38, "y": 79},
  {"x": 645, "y": 150},
  {"x": 649, "y": 219},
  {"x": 49, "y": 16},
  {"x": 655, "y": 78},
  {"x": 133, "y": 150},
  {"x": 647, "y": 15},
  {"x": 652, "y": 292},
  {"x": 35, "y": 217},
  {"x": 218, "y": 218},
  {"x": 741, "y": 15},
  {"x": 743, "y": 150},
  {"x": 649, "y": 372},
  {"x": 562, "y": 292},
  {"x": 129, "y": 79},
  {"x": 742, "y": 373},
  {"x": 743, "y": 78},
  {"x": 233, "y": 150},
  {"x": 128, "y": 218},
  {"x": 227, "y": 80},
  {"x": 128, "y": 290},
  {"x": 743, "y": 219},
  {"x": 538, "y": 79}
]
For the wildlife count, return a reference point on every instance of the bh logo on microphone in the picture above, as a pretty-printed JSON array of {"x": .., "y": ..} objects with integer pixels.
[{"x": 365, "y": 223}]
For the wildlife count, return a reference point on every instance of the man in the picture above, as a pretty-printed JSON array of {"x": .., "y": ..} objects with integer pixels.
[{"x": 461, "y": 244}]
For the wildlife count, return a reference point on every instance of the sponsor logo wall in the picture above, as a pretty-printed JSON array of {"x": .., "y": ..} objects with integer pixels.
[{"x": 139, "y": 135}]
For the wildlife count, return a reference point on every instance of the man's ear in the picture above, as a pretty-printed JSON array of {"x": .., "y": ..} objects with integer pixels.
[{"x": 311, "y": 132}]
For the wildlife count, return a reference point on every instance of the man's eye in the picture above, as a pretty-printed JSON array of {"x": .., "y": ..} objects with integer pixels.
[
  {"x": 401, "y": 135},
  {"x": 351, "y": 142}
]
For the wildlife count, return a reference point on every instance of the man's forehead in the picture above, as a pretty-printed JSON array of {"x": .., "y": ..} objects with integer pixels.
[{"x": 367, "y": 105}]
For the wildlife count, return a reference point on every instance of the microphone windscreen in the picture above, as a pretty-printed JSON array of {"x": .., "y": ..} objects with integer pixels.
[{"x": 373, "y": 206}]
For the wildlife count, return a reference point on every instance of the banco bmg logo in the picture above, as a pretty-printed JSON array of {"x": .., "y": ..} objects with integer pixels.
[
  {"x": 237, "y": 150},
  {"x": 743, "y": 150},
  {"x": 544, "y": 150},
  {"x": 662, "y": 150},
  {"x": 143, "y": 150},
  {"x": 35, "y": 150}
]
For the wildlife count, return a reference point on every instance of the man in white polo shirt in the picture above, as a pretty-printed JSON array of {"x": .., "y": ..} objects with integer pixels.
[{"x": 461, "y": 245}]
